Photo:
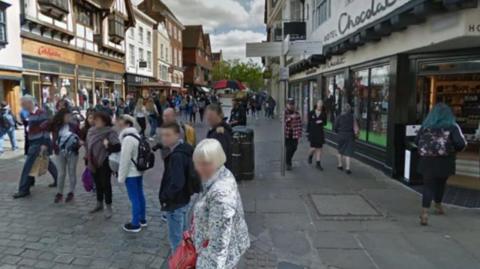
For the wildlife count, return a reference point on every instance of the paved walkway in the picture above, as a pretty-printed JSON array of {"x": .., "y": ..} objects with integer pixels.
[{"x": 308, "y": 219}]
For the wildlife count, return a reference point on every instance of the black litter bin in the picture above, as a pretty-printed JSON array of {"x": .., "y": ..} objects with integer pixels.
[{"x": 243, "y": 153}]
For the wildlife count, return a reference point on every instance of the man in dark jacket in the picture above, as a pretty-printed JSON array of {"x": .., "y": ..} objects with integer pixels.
[
  {"x": 174, "y": 192},
  {"x": 220, "y": 130},
  {"x": 238, "y": 116}
]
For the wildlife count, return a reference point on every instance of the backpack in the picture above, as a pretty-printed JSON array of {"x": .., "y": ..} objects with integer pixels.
[
  {"x": 145, "y": 158},
  {"x": 435, "y": 143},
  {"x": 190, "y": 135},
  {"x": 6, "y": 122}
]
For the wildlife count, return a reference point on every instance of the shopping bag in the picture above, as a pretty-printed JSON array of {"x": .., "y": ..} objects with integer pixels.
[
  {"x": 185, "y": 256},
  {"x": 87, "y": 180},
  {"x": 40, "y": 166}
]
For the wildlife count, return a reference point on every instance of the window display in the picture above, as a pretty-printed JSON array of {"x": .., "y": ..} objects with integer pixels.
[
  {"x": 370, "y": 103},
  {"x": 334, "y": 98}
]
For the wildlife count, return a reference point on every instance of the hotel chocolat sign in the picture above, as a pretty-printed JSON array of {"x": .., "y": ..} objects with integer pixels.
[{"x": 357, "y": 14}]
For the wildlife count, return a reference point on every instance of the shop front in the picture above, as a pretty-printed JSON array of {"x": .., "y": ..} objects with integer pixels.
[
  {"x": 10, "y": 88},
  {"x": 143, "y": 86},
  {"x": 453, "y": 78},
  {"x": 52, "y": 72},
  {"x": 305, "y": 92}
]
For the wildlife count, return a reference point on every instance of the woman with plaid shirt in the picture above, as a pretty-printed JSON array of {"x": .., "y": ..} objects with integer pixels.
[{"x": 293, "y": 131}]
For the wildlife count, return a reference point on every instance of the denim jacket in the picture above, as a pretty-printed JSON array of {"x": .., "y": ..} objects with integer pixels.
[{"x": 220, "y": 231}]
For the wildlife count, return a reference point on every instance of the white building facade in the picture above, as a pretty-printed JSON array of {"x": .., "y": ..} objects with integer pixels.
[
  {"x": 164, "y": 61},
  {"x": 140, "y": 62},
  {"x": 10, "y": 53}
]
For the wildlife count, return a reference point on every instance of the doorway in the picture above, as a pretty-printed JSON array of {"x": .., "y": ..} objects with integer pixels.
[{"x": 462, "y": 93}]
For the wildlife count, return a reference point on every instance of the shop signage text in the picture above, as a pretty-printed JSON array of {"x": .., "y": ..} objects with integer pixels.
[
  {"x": 335, "y": 61},
  {"x": 49, "y": 52},
  {"x": 347, "y": 21},
  {"x": 474, "y": 28},
  {"x": 353, "y": 15}
]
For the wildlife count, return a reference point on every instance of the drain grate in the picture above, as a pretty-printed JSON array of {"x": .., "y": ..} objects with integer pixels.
[{"x": 343, "y": 205}]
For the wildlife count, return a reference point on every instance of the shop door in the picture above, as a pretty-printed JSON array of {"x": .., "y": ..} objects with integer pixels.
[{"x": 462, "y": 93}]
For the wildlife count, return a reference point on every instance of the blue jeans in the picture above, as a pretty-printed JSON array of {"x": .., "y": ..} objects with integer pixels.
[
  {"x": 11, "y": 134},
  {"x": 177, "y": 224},
  {"x": 25, "y": 179},
  {"x": 137, "y": 198},
  {"x": 153, "y": 121}
]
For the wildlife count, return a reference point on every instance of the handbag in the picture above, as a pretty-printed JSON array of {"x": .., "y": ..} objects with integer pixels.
[
  {"x": 40, "y": 166},
  {"x": 185, "y": 256},
  {"x": 356, "y": 128},
  {"x": 87, "y": 180}
]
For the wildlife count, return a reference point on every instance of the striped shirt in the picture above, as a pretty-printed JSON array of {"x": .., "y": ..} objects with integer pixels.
[{"x": 38, "y": 127}]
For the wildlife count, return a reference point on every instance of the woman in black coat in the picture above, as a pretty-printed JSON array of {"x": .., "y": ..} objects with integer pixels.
[
  {"x": 317, "y": 119},
  {"x": 438, "y": 141}
]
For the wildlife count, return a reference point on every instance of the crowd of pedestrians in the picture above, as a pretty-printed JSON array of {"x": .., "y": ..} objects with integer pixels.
[{"x": 196, "y": 180}]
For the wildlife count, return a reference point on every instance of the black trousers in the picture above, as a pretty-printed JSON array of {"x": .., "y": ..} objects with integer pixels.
[
  {"x": 201, "y": 111},
  {"x": 143, "y": 125},
  {"x": 433, "y": 189},
  {"x": 291, "y": 146},
  {"x": 103, "y": 183}
]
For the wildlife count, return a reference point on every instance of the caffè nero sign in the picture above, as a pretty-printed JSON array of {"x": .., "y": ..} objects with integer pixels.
[{"x": 350, "y": 15}]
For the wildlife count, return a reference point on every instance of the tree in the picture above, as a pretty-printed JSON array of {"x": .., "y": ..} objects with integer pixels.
[{"x": 249, "y": 73}]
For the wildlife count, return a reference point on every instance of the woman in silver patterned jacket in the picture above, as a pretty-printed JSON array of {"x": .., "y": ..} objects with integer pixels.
[{"x": 220, "y": 231}]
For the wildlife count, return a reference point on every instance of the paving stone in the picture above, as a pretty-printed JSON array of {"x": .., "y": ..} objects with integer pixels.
[
  {"x": 13, "y": 251},
  {"x": 9, "y": 259},
  {"x": 287, "y": 265},
  {"x": 27, "y": 262},
  {"x": 82, "y": 261},
  {"x": 66, "y": 259},
  {"x": 342, "y": 205},
  {"x": 44, "y": 264},
  {"x": 30, "y": 253},
  {"x": 48, "y": 256}
]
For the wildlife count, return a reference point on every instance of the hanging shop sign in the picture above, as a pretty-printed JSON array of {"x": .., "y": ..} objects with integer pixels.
[
  {"x": 296, "y": 30},
  {"x": 346, "y": 19}
]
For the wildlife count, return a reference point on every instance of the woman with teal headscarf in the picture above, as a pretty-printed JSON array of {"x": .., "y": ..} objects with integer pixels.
[{"x": 438, "y": 141}]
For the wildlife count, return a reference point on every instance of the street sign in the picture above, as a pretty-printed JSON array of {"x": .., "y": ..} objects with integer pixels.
[
  {"x": 286, "y": 45},
  {"x": 302, "y": 47},
  {"x": 284, "y": 73},
  {"x": 264, "y": 49}
]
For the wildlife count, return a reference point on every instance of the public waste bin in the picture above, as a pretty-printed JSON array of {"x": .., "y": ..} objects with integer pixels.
[{"x": 243, "y": 153}]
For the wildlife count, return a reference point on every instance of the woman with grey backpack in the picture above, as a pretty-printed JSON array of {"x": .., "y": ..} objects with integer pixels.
[
  {"x": 66, "y": 143},
  {"x": 439, "y": 139}
]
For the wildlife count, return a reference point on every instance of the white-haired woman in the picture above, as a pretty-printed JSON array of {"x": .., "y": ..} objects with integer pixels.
[{"x": 220, "y": 231}]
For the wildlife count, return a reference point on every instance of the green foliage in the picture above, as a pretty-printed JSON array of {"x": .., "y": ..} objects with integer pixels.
[{"x": 249, "y": 73}]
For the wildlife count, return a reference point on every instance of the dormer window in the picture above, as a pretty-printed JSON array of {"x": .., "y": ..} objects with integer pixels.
[
  {"x": 116, "y": 28},
  {"x": 56, "y": 9}
]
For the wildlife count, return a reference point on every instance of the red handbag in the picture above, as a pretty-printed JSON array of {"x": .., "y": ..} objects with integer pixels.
[{"x": 185, "y": 256}]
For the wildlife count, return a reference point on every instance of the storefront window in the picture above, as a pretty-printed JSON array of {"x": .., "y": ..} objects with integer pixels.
[
  {"x": 334, "y": 97},
  {"x": 85, "y": 94},
  {"x": 370, "y": 103},
  {"x": 379, "y": 93},
  {"x": 360, "y": 101}
]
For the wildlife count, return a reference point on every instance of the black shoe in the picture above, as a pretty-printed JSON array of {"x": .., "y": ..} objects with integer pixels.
[
  {"x": 319, "y": 166},
  {"x": 32, "y": 183},
  {"x": 20, "y": 195},
  {"x": 58, "y": 198},
  {"x": 143, "y": 223},
  {"x": 70, "y": 196},
  {"x": 340, "y": 168},
  {"x": 132, "y": 228},
  {"x": 310, "y": 159},
  {"x": 289, "y": 167},
  {"x": 349, "y": 172},
  {"x": 53, "y": 185}
]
